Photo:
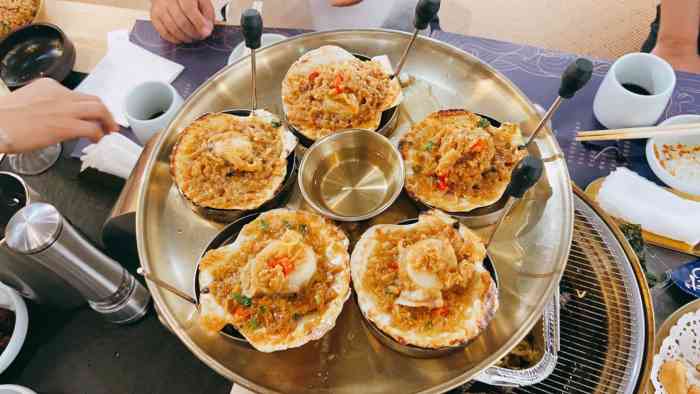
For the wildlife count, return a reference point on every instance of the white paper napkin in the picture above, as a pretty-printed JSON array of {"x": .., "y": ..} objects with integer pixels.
[
  {"x": 114, "y": 154},
  {"x": 125, "y": 66},
  {"x": 634, "y": 199}
]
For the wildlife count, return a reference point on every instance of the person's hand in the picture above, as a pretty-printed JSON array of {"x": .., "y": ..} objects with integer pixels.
[
  {"x": 180, "y": 21},
  {"x": 344, "y": 3},
  {"x": 683, "y": 56},
  {"x": 44, "y": 113}
]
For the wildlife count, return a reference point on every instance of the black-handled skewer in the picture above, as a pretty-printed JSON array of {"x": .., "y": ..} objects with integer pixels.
[
  {"x": 252, "y": 27},
  {"x": 574, "y": 78},
  {"x": 425, "y": 13},
  {"x": 524, "y": 176}
]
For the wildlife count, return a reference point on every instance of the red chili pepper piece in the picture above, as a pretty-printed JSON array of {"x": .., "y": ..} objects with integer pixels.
[{"x": 442, "y": 182}]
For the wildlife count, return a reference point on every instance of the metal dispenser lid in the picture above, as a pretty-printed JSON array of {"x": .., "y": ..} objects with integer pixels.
[{"x": 33, "y": 228}]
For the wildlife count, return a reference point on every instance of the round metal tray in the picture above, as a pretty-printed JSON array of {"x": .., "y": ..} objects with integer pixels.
[{"x": 529, "y": 252}]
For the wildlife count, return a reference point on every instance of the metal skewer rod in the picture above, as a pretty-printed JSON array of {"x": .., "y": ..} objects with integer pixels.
[
  {"x": 252, "y": 26},
  {"x": 525, "y": 175},
  {"x": 425, "y": 13},
  {"x": 166, "y": 286},
  {"x": 399, "y": 66},
  {"x": 253, "y": 86},
  {"x": 547, "y": 116},
  {"x": 575, "y": 77}
]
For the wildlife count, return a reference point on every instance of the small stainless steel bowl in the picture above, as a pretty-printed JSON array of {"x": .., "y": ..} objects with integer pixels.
[{"x": 351, "y": 175}]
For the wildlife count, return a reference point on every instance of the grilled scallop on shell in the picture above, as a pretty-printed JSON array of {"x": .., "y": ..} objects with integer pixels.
[
  {"x": 231, "y": 162},
  {"x": 457, "y": 161},
  {"x": 281, "y": 283},
  {"x": 343, "y": 105},
  {"x": 424, "y": 284}
]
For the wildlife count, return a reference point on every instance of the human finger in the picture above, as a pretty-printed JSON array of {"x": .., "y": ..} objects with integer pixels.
[
  {"x": 202, "y": 26},
  {"x": 183, "y": 25},
  {"x": 163, "y": 31}
]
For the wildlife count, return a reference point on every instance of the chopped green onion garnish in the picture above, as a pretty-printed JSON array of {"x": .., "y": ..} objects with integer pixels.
[
  {"x": 243, "y": 300},
  {"x": 254, "y": 323},
  {"x": 276, "y": 123},
  {"x": 264, "y": 225},
  {"x": 263, "y": 309},
  {"x": 287, "y": 225},
  {"x": 484, "y": 123},
  {"x": 296, "y": 316},
  {"x": 318, "y": 299},
  {"x": 429, "y": 146},
  {"x": 303, "y": 228}
]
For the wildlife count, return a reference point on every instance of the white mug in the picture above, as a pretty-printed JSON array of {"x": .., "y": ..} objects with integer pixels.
[
  {"x": 150, "y": 107},
  {"x": 618, "y": 107}
]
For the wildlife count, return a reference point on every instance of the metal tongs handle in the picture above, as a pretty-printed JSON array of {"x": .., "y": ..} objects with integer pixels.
[
  {"x": 426, "y": 10},
  {"x": 165, "y": 285},
  {"x": 525, "y": 175},
  {"x": 575, "y": 77},
  {"x": 252, "y": 27}
]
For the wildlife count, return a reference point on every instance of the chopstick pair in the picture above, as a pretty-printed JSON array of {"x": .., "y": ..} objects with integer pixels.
[{"x": 679, "y": 130}]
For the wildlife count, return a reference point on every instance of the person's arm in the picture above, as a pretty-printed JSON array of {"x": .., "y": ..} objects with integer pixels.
[
  {"x": 44, "y": 113},
  {"x": 677, "y": 40},
  {"x": 180, "y": 21}
]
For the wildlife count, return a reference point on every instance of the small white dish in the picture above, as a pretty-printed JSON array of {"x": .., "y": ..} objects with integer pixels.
[
  {"x": 10, "y": 299},
  {"x": 691, "y": 184},
  {"x": 15, "y": 389},
  {"x": 241, "y": 50}
]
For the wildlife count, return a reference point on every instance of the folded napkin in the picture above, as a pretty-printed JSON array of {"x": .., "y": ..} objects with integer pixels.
[
  {"x": 628, "y": 196},
  {"x": 114, "y": 154},
  {"x": 124, "y": 67}
]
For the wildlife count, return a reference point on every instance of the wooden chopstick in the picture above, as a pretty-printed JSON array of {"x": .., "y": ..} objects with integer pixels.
[
  {"x": 639, "y": 129},
  {"x": 646, "y": 132}
]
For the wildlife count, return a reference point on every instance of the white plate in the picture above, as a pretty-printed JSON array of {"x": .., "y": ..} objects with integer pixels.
[
  {"x": 241, "y": 50},
  {"x": 14, "y": 389},
  {"x": 663, "y": 174},
  {"x": 9, "y": 298}
]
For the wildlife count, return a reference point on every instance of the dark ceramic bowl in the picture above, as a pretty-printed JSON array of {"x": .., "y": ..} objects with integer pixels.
[{"x": 35, "y": 51}]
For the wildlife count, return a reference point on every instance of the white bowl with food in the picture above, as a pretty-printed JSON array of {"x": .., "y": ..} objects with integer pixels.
[
  {"x": 12, "y": 301},
  {"x": 676, "y": 159}
]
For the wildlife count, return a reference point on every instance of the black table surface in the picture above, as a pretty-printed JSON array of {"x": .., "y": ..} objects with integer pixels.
[{"x": 68, "y": 352}]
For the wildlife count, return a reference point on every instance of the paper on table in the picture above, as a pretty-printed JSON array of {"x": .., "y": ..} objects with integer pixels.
[
  {"x": 114, "y": 154},
  {"x": 628, "y": 196},
  {"x": 125, "y": 66}
]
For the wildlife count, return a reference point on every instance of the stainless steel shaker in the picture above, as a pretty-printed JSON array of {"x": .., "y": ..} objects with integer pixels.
[
  {"x": 31, "y": 280},
  {"x": 40, "y": 232}
]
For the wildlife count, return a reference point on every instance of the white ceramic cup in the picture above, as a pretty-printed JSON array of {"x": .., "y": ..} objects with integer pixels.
[
  {"x": 150, "y": 107},
  {"x": 616, "y": 107}
]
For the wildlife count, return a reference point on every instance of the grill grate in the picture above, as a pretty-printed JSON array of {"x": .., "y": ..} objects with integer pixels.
[
  {"x": 602, "y": 323},
  {"x": 602, "y": 318}
]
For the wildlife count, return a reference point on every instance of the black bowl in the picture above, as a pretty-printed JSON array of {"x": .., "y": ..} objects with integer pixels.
[{"x": 35, "y": 51}]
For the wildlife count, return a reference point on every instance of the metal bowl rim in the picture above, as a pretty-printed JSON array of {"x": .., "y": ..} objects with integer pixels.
[{"x": 375, "y": 212}]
